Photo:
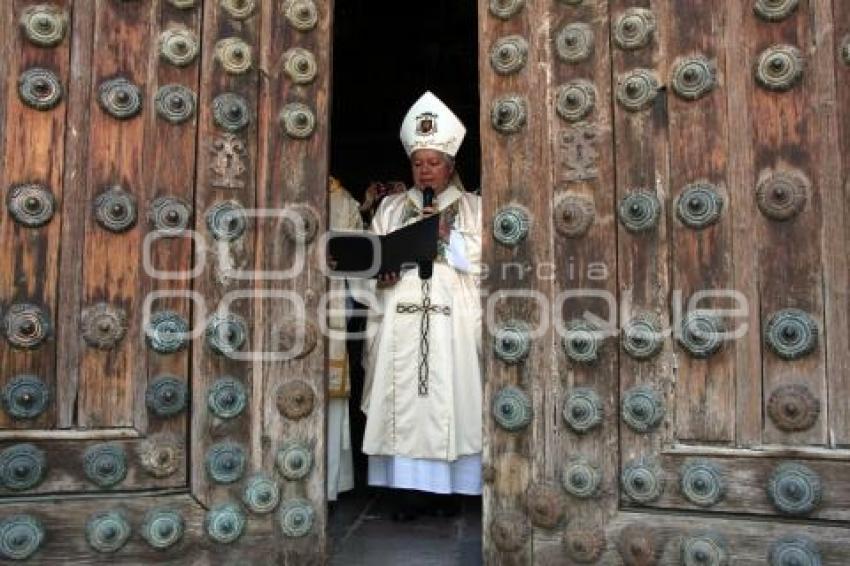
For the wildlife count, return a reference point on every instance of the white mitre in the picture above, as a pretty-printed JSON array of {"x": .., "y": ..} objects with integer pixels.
[{"x": 430, "y": 124}]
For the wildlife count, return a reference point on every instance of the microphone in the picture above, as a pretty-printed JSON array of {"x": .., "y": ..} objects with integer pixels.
[{"x": 426, "y": 268}]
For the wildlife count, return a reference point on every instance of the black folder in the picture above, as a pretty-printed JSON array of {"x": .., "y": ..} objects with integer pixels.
[{"x": 365, "y": 255}]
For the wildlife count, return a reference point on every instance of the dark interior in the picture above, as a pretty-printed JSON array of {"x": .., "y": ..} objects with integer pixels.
[{"x": 386, "y": 54}]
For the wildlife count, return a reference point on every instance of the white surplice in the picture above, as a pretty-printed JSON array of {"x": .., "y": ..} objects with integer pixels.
[{"x": 433, "y": 441}]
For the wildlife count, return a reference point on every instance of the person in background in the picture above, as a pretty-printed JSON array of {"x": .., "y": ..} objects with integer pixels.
[
  {"x": 423, "y": 390},
  {"x": 344, "y": 215}
]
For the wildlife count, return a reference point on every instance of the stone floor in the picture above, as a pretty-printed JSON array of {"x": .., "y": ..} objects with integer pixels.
[{"x": 361, "y": 532}]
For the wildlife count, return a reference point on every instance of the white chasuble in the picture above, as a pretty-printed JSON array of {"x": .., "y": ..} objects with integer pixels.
[{"x": 435, "y": 413}]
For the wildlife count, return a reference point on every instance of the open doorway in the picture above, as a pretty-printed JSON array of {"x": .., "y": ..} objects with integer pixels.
[{"x": 386, "y": 54}]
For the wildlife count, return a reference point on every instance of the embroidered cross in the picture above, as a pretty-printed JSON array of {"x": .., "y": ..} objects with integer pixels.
[{"x": 427, "y": 309}]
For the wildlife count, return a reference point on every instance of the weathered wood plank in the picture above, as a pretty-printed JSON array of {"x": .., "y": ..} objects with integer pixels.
[
  {"x": 748, "y": 542},
  {"x": 64, "y": 522},
  {"x": 700, "y": 259},
  {"x": 74, "y": 206},
  {"x": 790, "y": 268},
  {"x": 515, "y": 172},
  {"x": 748, "y": 356},
  {"x": 222, "y": 258},
  {"x": 170, "y": 154},
  {"x": 584, "y": 280},
  {"x": 746, "y": 481},
  {"x": 292, "y": 186},
  {"x": 833, "y": 72},
  {"x": 642, "y": 160},
  {"x": 111, "y": 261},
  {"x": 34, "y": 153},
  {"x": 65, "y": 472}
]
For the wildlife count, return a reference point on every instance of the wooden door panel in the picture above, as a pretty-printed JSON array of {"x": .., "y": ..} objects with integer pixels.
[{"x": 33, "y": 154}]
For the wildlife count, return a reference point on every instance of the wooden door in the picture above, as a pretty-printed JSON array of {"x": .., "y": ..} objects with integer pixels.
[
  {"x": 674, "y": 197},
  {"x": 163, "y": 174}
]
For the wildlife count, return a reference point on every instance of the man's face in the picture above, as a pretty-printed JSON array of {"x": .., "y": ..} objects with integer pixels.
[{"x": 430, "y": 169}]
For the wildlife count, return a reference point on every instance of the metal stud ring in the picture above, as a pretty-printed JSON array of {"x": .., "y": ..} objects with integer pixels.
[
  {"x": 234, "y": 55},
  {"x": 582, "y": 342},
  {"x": 105, "y": 464},
  {"x": 574, "y": 215},
  {"x": 175, "y": 103},
  {"x": 642, "y": 338},
  {"x": 581, "y": 479},
  {"x": 298, "y": 120},
  {"x": 103, "y": 326},
  {"x": 40, "y": 88},
  {"x": 510, "y": 225},
  {"x": 163, "y": 528},
  {"x": 20, "y": 537},
  {"x": 296, "y": 518},
  {"x": 782, "y": 195},
  {"x": 31, "y": 204},
  {"x": 774, "y": 10},
  {"x": 227, "y": 398},
  {"x": 545, "y": 505},
  {"x": 300, "y": 66},
  {"x": 179, "y": 46},
  {"x": 779, "y": 67},
  {"x": 225, "y": 462},
  {"x": 294, "y": 460},
  {"x": 230, "y": 112},
  {"x": 224, "y": 523},
  {"x": 794, "y": 551},
  {"x": 44, "y": 25},
  {"x": 694, "y": 77},
  {"x": 575, "y": 100},
  {"x": 642, "y": 481},
  {"x": 702, "y": 483},
  {"x": 508, "y": 114},
  {"x": 107, "y": 531},
  {"x": 295, "y": 399},
  {"x": 794, "y": 489},
  {"x": 166, "y": 396},
  {"x": 26, "y": 326},
  {"x": 512, "y": 342},
  {"x": 300, "y": 223},
  {"x": 583, "y": 410},
  {"x": 637, "y": 89},
  {"x": 226, "y": 333},
  {"x": 22, "y": 467},
  {"x": 25, "y": 397},
  {"x": 574, "y": 43},
  {"x": 699, "y": 205},
  {"x": 639, "y": 211},
  {"x": 226, "y": 220},
  {"x": 162, "y": 455},
  {"x": 261, "y": 494},
  {"x": 170, "y": 215},
  {"x": 301, "y": 14},
  {"x": 701, "y": 334},
  {"x": 634, "y": 28},
  {"x": 167, "y": 332},
  {"x": 791, "y": 334},
  {"x": 512, "y": 409},
  {"x": 115, "y": 210},
  {"x": 584, "y": 544},
  {"x": 120, "y": 98},
  {"x": 704, "y": 550},
  {"x": 793, "y": 408},
  {"x": 510, "y": 531},
  {"x": 642, "y": 408},
  {"x": 506, "y": 9},
  {"x": 509, "y": 54},
  {"x": 239, "y": 9}
]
